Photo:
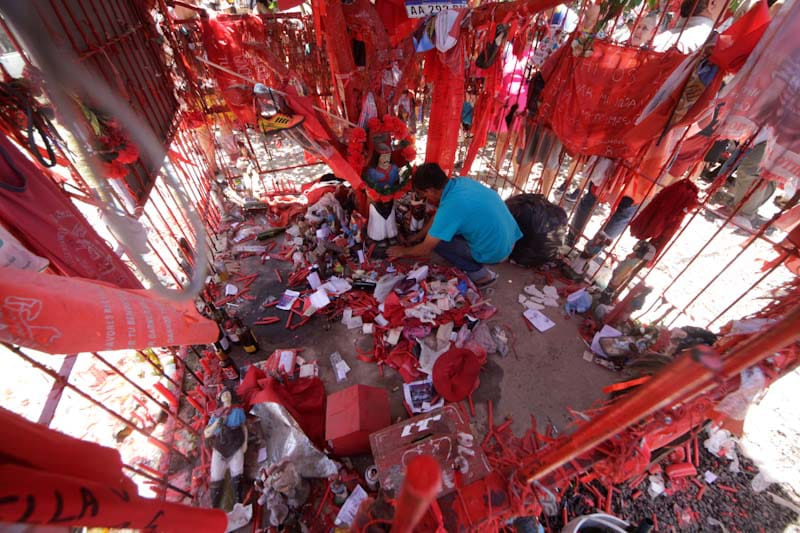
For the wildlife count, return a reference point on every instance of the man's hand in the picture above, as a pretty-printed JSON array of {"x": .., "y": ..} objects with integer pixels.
[
  {"x": 414, "y": 238},
  {"x": 396, "y": 251}
]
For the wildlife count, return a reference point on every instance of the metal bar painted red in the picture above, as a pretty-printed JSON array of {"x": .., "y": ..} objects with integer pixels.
[
  {"x": 88, "y": 397},
  {"x": 674, "y": 383},
  {"x": 141, "y": 389},
  {"x": 422, "y": 483},
  {"x": 54, "y": 397}
]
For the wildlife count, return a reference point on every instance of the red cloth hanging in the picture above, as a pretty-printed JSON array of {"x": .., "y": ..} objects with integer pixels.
[
  {"x": 223, "y": 47},
  {"x": 340, "y": 55},
  {"x": 57, "y": 314},
  {"x": 46, "y": 221},
  {"x": 589, "y": 100},
  {"x": 52, "y": 479},
  {"x": 737, "y": 42},
  {"x": 662, "y": 217},
  {"x": 445, "y": 117},
  {"x": 485, "y": 108},
  {"x": 395, "y": 20}
]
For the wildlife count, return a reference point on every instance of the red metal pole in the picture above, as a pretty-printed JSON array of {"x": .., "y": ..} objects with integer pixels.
[
  {"x": 421, "y": 485},
  {"x": 683, "y": 377}
]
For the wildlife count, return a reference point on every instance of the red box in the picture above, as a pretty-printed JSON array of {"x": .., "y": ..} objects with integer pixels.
[
  {"x": 444, "y": 434},
  {"x": 352, "y": 414}
]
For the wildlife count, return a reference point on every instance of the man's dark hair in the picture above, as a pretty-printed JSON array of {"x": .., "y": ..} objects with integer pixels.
[
  {"x": 429, "y": 176},
  {"x": 690, "y": 8}
]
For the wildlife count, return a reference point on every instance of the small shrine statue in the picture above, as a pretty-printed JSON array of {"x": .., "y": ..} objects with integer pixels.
[
  {"x": 228, "y": 435},
  {"x": 418, "y": 208},
  {"x": 383, "y": 177},
  {"x": 388, "y": 150}
]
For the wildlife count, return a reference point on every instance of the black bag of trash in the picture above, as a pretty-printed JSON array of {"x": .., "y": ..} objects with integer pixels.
[{"x": 543, "y": 225}]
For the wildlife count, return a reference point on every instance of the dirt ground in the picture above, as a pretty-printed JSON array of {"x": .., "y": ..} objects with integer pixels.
[{"x": 544, "y": 374}]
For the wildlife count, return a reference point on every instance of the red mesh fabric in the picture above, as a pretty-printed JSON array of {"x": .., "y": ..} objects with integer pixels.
[
  {"x": 662, "y": 217},
  {"x": 445, "y": 118}
]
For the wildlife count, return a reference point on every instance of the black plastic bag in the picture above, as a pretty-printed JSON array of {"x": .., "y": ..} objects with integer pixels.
[{"x": 543, "y": 225}]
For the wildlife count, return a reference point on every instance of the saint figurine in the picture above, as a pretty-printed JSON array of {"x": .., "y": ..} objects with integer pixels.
[
  {"x": 228, "y": 435},
  {"x": 383, "y": 178}
]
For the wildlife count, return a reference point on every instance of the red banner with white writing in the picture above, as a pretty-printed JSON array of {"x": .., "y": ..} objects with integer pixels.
[
  {"x": 589, "y": 100},
  {"x": 766, "y": 94},
  {"x": 52, "y": 479},
  {"x": 57, "y": 314},
  {"x": 47, "y": 223}
]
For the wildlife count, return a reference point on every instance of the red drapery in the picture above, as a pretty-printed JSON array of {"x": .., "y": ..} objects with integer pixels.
[
  {"x": 446, "y": 103},
  {"x": 44, "y": 218},
  {"x": 589, "y": 100},
  {"x": 223, "y": 47},
  {"x": 50, "y": 478},
  {"x": 57, "y": 314}
]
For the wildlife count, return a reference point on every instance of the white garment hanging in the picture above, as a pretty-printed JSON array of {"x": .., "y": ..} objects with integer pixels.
[
  {"x": 379, "y": 228},
  {"x": 444, "y": 23}
]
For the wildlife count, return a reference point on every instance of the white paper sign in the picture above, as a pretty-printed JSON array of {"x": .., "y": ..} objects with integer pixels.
[
  {"x": 607, "y": 331},
  {"x": 319, "y": 299},
  {"x": 350, "y": 508},
  {"x": 539, "y": 320},
  {"x": 314, "y": 281},
  {"x": 286, "y": 361},
  {"x": 419, "y": 9}
]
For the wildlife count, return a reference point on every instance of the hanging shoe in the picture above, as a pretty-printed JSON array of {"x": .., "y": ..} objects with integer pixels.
[{"x": 279, "y": 122}]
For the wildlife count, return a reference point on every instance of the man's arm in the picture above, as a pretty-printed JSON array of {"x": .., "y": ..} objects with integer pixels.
[
  {"x": 421, "y": 234},
  {"x": 421, "y": 249}
]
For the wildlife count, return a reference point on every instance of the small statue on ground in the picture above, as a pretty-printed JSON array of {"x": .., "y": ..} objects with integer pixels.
[{"x": 228, "y": 435}]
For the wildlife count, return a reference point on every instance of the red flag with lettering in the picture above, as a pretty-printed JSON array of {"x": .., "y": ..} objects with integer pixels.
[
  {"x": 589, "y": 100},
  {"x": 766, "y": 94},
  {"x": 57, "y": 314},
  {"x": 223, "y": 47},
  {"x": 46, "y": 221},
  {"x": 52, "y": 479}
]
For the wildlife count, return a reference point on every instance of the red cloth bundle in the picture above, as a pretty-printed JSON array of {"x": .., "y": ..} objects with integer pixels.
[
  {"x": 662, "y": 217},
  {"x": 51, "y": 478}
]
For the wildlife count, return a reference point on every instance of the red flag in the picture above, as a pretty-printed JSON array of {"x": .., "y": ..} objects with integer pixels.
[
  {"x": 589, "y": 100},
  {"x": 49, "y": 224},
  {"x": 53, "y": 479},
  {"x": 56, "y": 314}
]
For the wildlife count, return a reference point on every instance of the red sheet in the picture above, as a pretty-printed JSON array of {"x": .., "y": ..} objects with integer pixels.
[
  {"x": 304, "y": 398},
  {"x": 589, "y": 100},
  {"x": 765, "y": 93},
  {"x": 50, "y": 478},
  {"x": 223, "y": 47},
  {"x": 45, "y": 220},
  {"x": 56, "y": 314},
  {"x": 446, "y": 103}
]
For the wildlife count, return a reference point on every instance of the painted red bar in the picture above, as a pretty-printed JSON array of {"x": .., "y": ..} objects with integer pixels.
[{"x": 422, "y": 483}]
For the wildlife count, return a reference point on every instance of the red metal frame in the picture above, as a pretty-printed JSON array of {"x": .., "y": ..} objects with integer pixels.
[{"x": 679, "y": 381}]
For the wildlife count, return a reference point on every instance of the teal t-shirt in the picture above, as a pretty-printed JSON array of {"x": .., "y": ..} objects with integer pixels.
[{"x": 478, "y": 214}]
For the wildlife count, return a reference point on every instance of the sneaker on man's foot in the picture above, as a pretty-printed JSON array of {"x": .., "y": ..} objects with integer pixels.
[{"x": 488, "y": 281}]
